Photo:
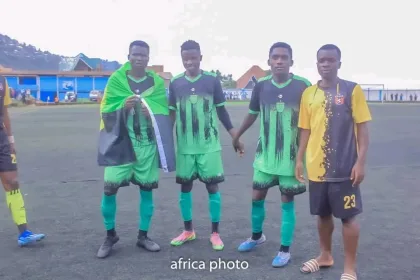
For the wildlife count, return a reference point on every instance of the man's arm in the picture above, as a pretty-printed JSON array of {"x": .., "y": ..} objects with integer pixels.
[
  {"x": 6, "y": 117},
  {"x": 362, "y": 142},
  {"x": 304, "y": 135},
  {"x": 304, "y": 125},
  {"x": 254, "y": 109},
  {"x": 172, "y": 103},
  {"x": 223, "y": 115},
  {"x": 7, "y": 124},
  {"x": 224, "y": 118},
  {"x": 361, "y": 116}
]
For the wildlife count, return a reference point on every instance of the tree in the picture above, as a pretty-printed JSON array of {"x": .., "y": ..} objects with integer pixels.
[{"x": 226, "y": 80}]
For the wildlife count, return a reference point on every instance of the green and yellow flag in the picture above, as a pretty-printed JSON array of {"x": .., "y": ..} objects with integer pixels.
[{"x": 115, "y": 147}]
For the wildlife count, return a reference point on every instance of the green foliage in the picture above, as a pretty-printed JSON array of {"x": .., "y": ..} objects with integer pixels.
[{"x": 227, "y": 81}]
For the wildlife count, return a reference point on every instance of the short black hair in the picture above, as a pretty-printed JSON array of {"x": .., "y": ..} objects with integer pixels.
[
  {"x": 139, "y": 43},
  {"x": 330, "y": 47},
  {"x": 281, "y": 45},
  {"x": 190, "y": 45}
]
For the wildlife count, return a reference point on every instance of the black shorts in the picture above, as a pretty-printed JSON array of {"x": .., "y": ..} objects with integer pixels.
[
  {"x": 338, "y": 198},
  {"x": 7, "y": 159}
]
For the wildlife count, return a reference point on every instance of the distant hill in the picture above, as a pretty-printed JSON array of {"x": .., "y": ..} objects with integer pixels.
[{"x": 20, "y": 56}]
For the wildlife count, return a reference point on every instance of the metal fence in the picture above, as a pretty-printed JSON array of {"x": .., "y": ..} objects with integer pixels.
[
  {"x": 373, "y": 95},
  {"x": 393, "y": 95}
]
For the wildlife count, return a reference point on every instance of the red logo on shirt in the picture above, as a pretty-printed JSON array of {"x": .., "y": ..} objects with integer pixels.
[{"x": 339, "y": 99}]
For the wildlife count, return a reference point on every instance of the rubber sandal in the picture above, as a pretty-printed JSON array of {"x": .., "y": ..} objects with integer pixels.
[
  {"x": 346, "y": 276},
  {"x": 313, "y": 266}
]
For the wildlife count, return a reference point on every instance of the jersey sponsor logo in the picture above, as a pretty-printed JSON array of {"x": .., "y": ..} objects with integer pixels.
[{"x": 339, "y": 99}]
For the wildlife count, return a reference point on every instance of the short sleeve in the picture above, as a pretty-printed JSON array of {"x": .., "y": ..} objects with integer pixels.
[
  {"x": 360, "y": 109},
  {"x": 218, "y": 95},
  {"x": 172, "y": 98},
  {"x": 254, "y": 104},
  {"x": 7, "y": 99},
  {"x": 304, "y": 112}
]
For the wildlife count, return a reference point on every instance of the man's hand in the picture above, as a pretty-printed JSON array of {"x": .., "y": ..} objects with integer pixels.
[
  {"x": 145, "y": 111},
  {"x": 299, "y": 172},
  {"x": 131, "y": 102},
  {"x": 238, "y": 146},
  {"x": 357, "y": 174}
]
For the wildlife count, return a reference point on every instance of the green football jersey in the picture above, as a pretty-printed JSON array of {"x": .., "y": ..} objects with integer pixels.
[
  {"x": 278, "y": 106},
  {"x": 195, "y": 101}
]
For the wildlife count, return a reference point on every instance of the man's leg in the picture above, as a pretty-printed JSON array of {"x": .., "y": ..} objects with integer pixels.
[
  {"x": 146, "y": 176},
  {"x": 210, "y": 172},
  {"x": 346, "y": 202},
  {"x": 14, "y": 199},
  {"x": 261, "y": 183},
  {"x": 114, "y": 177},
  {"x": 289, "y": 187},
  {"x": 321, "y": 207},
  {"x": 186, "y": 173}
]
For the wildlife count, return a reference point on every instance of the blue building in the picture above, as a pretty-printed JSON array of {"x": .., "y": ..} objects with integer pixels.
[{"x": 45, "y": 85}]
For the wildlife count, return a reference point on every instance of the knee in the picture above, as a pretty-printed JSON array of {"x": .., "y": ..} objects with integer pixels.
[
  {"x": 186, "y": 188},
  {"x": 287, "y": 198},
  {"x": 212, "y": 188},
  {"x": 258, "y": 195},
  {"x": 110, "y": 191}
]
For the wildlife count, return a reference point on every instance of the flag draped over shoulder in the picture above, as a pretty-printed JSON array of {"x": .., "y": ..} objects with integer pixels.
[{"x": 115, "y": 147}]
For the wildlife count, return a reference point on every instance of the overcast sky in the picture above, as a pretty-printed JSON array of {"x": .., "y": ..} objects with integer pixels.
[{"x": 380, "y": 41}]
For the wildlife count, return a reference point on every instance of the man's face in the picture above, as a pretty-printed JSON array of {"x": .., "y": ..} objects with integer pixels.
[
  {"x": 328, "y": 63},
  {"x": 191, "y": 60},
  {"x": 138, "y": 57},
  {"x": 280, "y": 61}
]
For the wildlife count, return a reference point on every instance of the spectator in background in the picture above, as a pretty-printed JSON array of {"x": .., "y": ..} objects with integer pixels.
[
  {"x": 401, "y": 97},
  {"x": 411, "y": 97},
  {"x": 392, "y": 97},
  {"x": 415, "y": 97}
]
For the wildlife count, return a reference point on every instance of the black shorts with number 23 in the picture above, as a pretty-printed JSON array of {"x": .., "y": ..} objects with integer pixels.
[{"x": 340, "y": 199}]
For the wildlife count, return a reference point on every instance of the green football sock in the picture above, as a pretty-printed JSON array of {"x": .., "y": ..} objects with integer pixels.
[
  {"x": 109, "y": 208},
  {"x": 257, "y": 215},
  {"x": 215, "y": 207},
  {"x": 146, "y": 209},
  {"x": 288, "y": 223},
  {"x": 185, "y": 204}
]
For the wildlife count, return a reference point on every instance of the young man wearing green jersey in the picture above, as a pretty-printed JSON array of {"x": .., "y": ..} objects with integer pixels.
[
  {"x": 276, "y": 99},
  {"x": 135, "y": 142},
  {"x": 197, "y": 101}
]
